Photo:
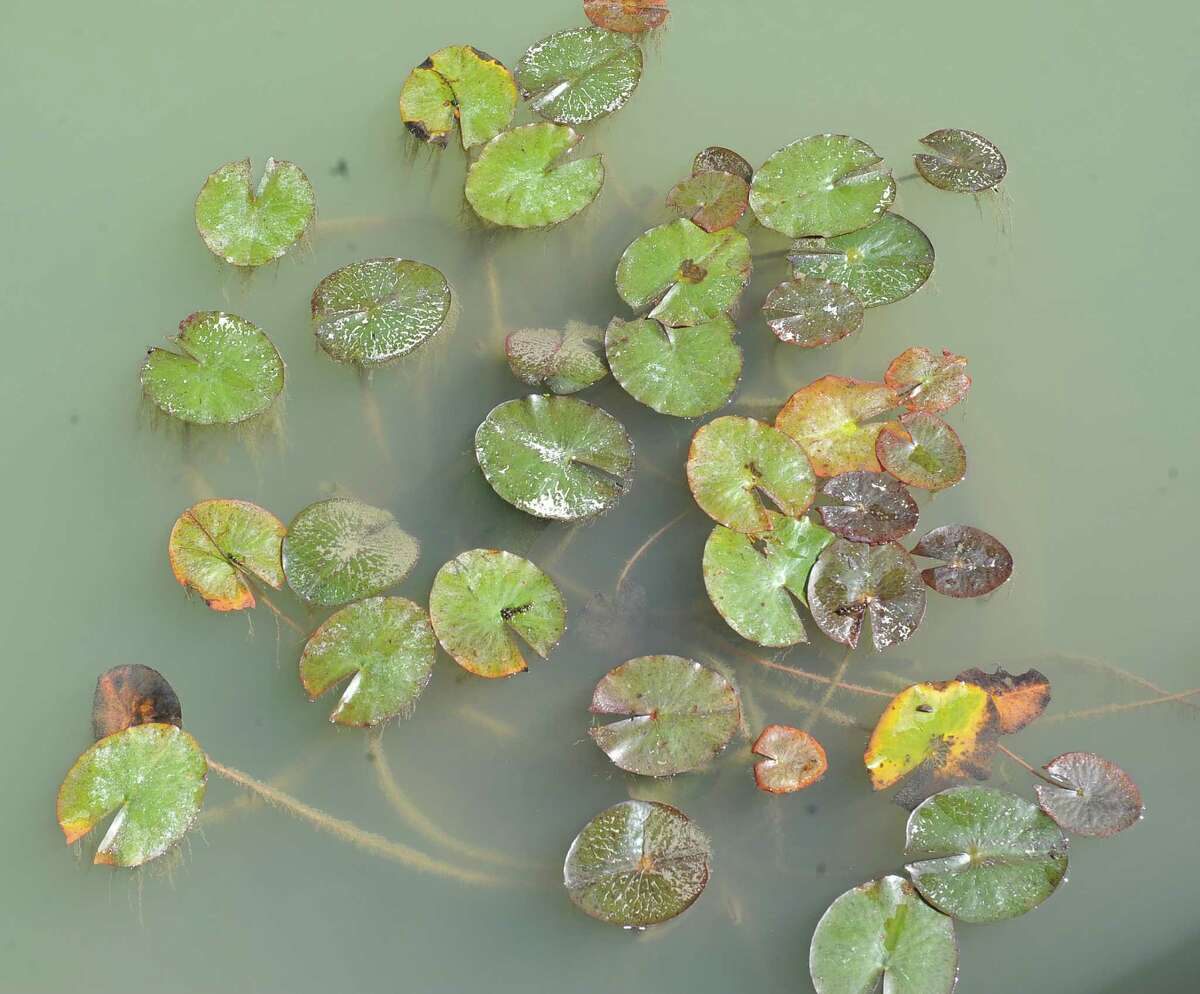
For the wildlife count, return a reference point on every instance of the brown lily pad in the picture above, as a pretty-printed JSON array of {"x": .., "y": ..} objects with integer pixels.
[
  {"x": 711, "y": 199},
  {"x": 133, "y": 695},
  {"x": 923, "y": 452},
  {"x": 960, "y": 161},
  {"x": 812, "y": 312},
  {"x": 792, "y": 760},
  {"x": 1096, "y": 797},
  {"x": 927, "y": 382},
  {"x": 724, "y": 160},
  {"x": 976, "y": 563},
  {"x": 868, "y": 507},
  {"x": 627, "y": 16},
  {"x": 1020, "y": 698}
]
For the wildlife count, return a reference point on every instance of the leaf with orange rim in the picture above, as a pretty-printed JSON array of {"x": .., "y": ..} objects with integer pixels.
[
  {"x": 926, "y": 382},
  {"x": 1020, "y": 698},
  {"x": 627, "y": 16},
  {"x": 830, "y": 419},
  {"x": 922, "y": 452},
  {"x": 792, "y": 760},
  {"x": 216, "y": 544}
]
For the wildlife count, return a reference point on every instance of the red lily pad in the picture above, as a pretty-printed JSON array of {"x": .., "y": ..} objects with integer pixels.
[
  {"x": 868, "y": 507},
  {"x": 627, "y": 16},
  {"x": 923, "y": 452},
  {"x": 792, "y": 760},
  {"x": 133, "y": 695},
  {"x": 1095, "y": 798},
  {"x": 711, "y": 199},
  {"x": 926, "y": 382},
  {"x": 976, "y": 563},
  {"x": 812, "y": 312}
]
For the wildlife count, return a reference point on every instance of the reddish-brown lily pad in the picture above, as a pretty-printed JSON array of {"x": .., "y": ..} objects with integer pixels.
[
  {"x": 868, "y": 507},
  {"x": 830, "y": 418},
  {"x": 133, "y": 695},
  {"x": 976, "y": 563},
  {"x": 1020, "y": 698},
  {"x": 792, "y": 760},
  {"x": 724, "y": 160},
  {"x": 1096, "y": 797},
  {"x": 927, "y": 382},
  {"x": 960, "y": 161},
  {"x": 812, "y": 312},
  {"x": 711, "y": 199},
  {"x": 627, "y": 16},
  {"x": 923, "y": 452}
]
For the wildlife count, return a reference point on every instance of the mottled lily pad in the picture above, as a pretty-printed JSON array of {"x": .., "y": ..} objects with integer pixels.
[
  {"x": 829, "y": 418},
  {"x": 960, "y": 161},
  {"x": 1096, "y": 798},
  {"x": 133, "y": 695},
  {"x": 580, "y": 74},
  {"x": 679, "y": 715},
  {"x": 723, "y": 160},
  {"x": 713, "y": 199},
  {"x": 868, "y": 507},
  {"x": 562, "y": 362},
  {"x": 793, "y": 760},
  {"x": 812, "y": 312},
  {"x": 976, "y": 563},
  {"x": 627, "y": 16},
  {"x": 1020, "y": 698},
  {"x": 923, "y": 452},
  {"x": 458, "y": 84},
  {"x": 482, "y": 599},
  {"x": 926, "y": 382}
]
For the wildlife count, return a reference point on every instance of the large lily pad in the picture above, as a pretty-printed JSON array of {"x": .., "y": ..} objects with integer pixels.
[
  {"x": 868, "y": 507},
  {"x": 458, "y": 84},
  {"x": 226, "y": 371},
  {"x": 1020, "y": 698},
  {"x": 923, "y": 452},
  {"x": 133, "y": 695},
  {"x": 976, "y": 563},
  {"x": 562, "y": 362},
  {"x": 152, "y": 776},
  {"x": 1095, "y": 798},
  {"x": 812, "y": 312},
  {"x": 723, "y": 160},
  {"x": 482, "y": 599},
  {"x": 925, "y": 382},
  {"x": 830, "y": 420},
  {"x": 580, "y": 74},
  {"x": 711, "y": 199},
  {"x": 679, "y": 715},
  {"x": 983, "y": 855},
  {"x": 555, "y": 457},
  {"x": 628, "y": 16},
  {"x": 792, "y": 760},
  {"x": 960, "y": 161}
]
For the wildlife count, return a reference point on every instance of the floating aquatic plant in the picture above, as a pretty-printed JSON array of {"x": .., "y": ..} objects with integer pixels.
[
  {"x": 1092, "y": 796},
  {"x": 830, "y": 418},
  {"x": 923, "y": 451},
  {"x": 868, "y": 507},
  {"x": 792, "y": 760},
  {"x": 712, "y": 199},
  {"x": 458, "y": 85},
  {"x": 811, "y": 312},
  {"x": 717, "y": 158},
  {"x": 578, "y": 75},
  {"x": 1020, "y": 698},
  {"x": 960, "y": 161},
  {"x": 562, "y": 362},
  {"x": 133, "y": 695},
  {"x": 926, "y": 382},
  {"x": 628, "y": 16},
  {"x": 974, "y": 562}
]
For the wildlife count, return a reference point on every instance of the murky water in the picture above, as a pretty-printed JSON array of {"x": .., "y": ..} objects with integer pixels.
[{"x": 1073, "y": 303}]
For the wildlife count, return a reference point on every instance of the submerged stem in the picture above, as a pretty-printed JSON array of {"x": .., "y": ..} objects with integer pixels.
[
  {"x": 1183, "y": 695},
  {"x": 1021, "y": 762},
  {"x": 641, "y": 549},
  {"x": 816, "y": 677},
  {"x": 815, "y": 715}
]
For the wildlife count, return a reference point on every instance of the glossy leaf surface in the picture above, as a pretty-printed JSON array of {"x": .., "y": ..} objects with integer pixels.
[
  {"x": 792, "y": 760},
  {"x": 960, "y": 161},
  {"x": 580, "y": 74},
  {"x": 867, "y": 507},
  {"x": 713, "y": 199},
  {"x": 976, "y": 563},
  {"x": 1096, "y": 798},
  {"x": 923, "y": 452},
  {"x": 723, "y": 160},
  {"x": 458, "y": 85},
  {"x": 562, "y": 362},
  {"x": 812, "y": 312},
  {"x": 133, "y": 695},
  {"x": 830, "y": 420},
  {"x": 927, "y": 382},
  {"x": 628, "y": 16}
]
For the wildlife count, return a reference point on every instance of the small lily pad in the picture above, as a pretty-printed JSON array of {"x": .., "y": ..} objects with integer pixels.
[
  {"x": 829, "y": 418},
  {"x": 983, "y": 855},
  {"x": 923, "y": 452},
  {"x": 822, "y": 185},
  {"x": 560, "y": 361},
  {"x": 458, "y": 84},
  {"x": 1096, "y": 798},
  {"x": 627, "y": 16},
  {"x": 555, "y": 457},
  {"x": 521, "y": 179},
  {"x": 133, "y": 695},
  {"x": 960, "y": 161},
  {"x": 385, "y": 645},
  {"x": 685, "y": 372},
  {"x": 680, "y": 715},
  {"x": 1020, "y": 698},
  {"x": 812, "y": 312},
  {"x": 482, "y": 598},
  {"x": 580, "y": 74},
  {"x": 226, "y": 371},
  {"x": 375, "y": 311},
  {"x": 926, "y": 382},
  {"x": 793, "y": 760},
  {"x": 637, "y": 863},
  {"x": 868, "y": 507},
  {"x": 249, "y": 227},
  {"x": 735, "y": 462},
  {"x": 684, "y": 274},
  {"x": 152, "y": 776},
  {"x": 340, "y": 550},
  {"x": 713, "y": 199},
  {"x": 976, "y": 563},
  {"x": 723, "y": 160}
]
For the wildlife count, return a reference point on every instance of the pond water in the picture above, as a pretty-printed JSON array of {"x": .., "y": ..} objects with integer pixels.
[{"x": 1069, "y": 294}]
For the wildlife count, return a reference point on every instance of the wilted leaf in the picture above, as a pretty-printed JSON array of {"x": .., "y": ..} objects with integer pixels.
[
  {"x": 627, "y": 16},
  {"x": 868, "y": 507},
  {"x": 961, "y": 161},
  {"x": 923, "y": 452},
  {"x": 580, "y": 74},
  {"x": 1096, "y": 798},
  {"x": 458, "y": 83},
  {"x": 1019, "y": 698},
  {"x": 812, "y": 312},
  {"x": 925, "y": 382},
  {"x": 794, "y": 760},
  {"x": 133, "y": 695},
  {"x": 829, "y": 418},
  {"x": 560, "y": 361},
  {"x": 712, "y": 199},
  {"x": 723, "y": 160},
  {"x": 976, "y": 562}
]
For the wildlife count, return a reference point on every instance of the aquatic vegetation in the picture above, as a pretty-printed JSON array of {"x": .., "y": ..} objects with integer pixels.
[
  {"x": 830, "y": 420},
  {"x": 925, "y": 382},
  {"x": 458, "y": 86},
  {"x": 976, "y": 563},
  {"x": 812, "y": 312},
  {"x": 1020, "y": 698},
  {"x": 580, "y": 74},
  {"x": 960, "y": 161},
  {"x": 717, "y": 158},
  {"x": 629, "y": 16},
  {"x": 133, "y": 695},
  {"x": 1090, "y": 795},
  {"x": 712, "y": 199},
  {"x": 868, "y": 507},
  {"x": 562, "y": 362},
  {"x": 792, "y": 760},
  {"x": 924, "y": 452}
]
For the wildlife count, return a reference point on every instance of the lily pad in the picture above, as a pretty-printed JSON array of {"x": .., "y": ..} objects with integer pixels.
[
  {"x": 829, "y": 418},
  {"x": 851, "y": 580},
  {"x": 385, "y": 645},
  {"x": 481, "y": 599},
  {"x": 521, "y": 179},
  {"x": 960, "y": 161},
  {"x": 680, "y": 715},
  {"x": 812, "y": 312},
  {"x": 1020, "y": 698},
  {"x": 976, "y": 563},
  {"x": 133, "y": 695},
  {"x": 793, "y": 760},
  {"x": 685, "y": 372},
  {"x": 880, "y": 264},
  {"x": 684, "y": 274},
  {"x": 458, "y": 84},
  {"x": 822, "y": 185},
  {"x": 1096, "y": 798},
  {"x": 882, "y": 929},
  {"x": 923, "y": 452},
  {"x": 868, "y": 507},
  {"x": 555, "y": 457},
  {"x": 735, "y": 462},
  {"x": 713, "y": 199},
  {"x": 226, "y": 371},
  {"x": 755, "y": 581},
  {"x": 723, "y": 160},
  {"x": 560, "y": 361},
  {"x": 627, "y": 16},
  {"x": 580, "y": 74},
  {"x": 925, "y": 382},
  {"x": 249, "y": 227},
  {"x": 637, "y": 863},
  {"x": 375, "y": 311},
  {"x": 983, "y": 855},
  {"x": 340, "y": 550},
  {"x": 215, "y": 544},
  {"x": 152, "y": 776}
]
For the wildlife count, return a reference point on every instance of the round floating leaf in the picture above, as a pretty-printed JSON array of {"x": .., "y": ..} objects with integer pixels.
[
  {"x": 821, "y": 185},
  {"x": 248, "y": 227},
  {"x": 133, "y": 695},
  {"x": 482, "y": 598},
  {"x": 960, "y": 161},
  {"x": 870, "y": 507},
  {"x": 794, "y": 760},
  {"x": 754, "y": 582},
  {"x": 883, "y": 929},
  {"x": 580, "y": 74},
  {"x": 226, "y": 371},
  {"x": 685, "y": 372},
  {"x": 680, "y": 715},
  {"x": 925, "y": 382},
  {"x": 372, "y": 312},
  {"x": 976, "y": 562},
  {"x": 1019, "y": 698},
  {"x": 713, "y": 200},
  {"x": 982, "y": 855},
  {"x": 812, "y": 312},
  {"x": 458, "y": 83},
  {"x": 735, "y": 462},
  {"x": 555, "y": 457},
  {"x": 213, "y": 543},
  {"x": 723, "y": 160},
  {"x": 521, "y": 180},
  {"x": 851, "y": 579},
  {"x": 829, "y": 420},
  {"x": 684, "y": 274},
  {"x": 386, "y": 645},
  {"x": 923, "y": 452},
  {"x": 340, "y": 550},
  {"x": 880, "y": 264},
  {"x": 637, "y": 863},
  {"x": 1096, "y": 797},
  {"x": 560, "y": 361},
  {"x": 152, "y": 776},
  {"x": 627, "y": 16}
]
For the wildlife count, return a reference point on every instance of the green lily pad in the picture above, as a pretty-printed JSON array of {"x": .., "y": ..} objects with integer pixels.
[
  {"x": 924, "y": 452},
  {"x": 812, "y": 312},
  {"x": 960, "y": 161},
  {"x": 580, "y": 74},
  {"x": 458, "y": 84},
  {"x": 249, "y": 227},
  {"x": 713, "y": 199},
  {"x": 822, "y": 185},
  {"x": 754, "y": 582},
  {"x": 881, "y": 263},
  {"x": 375, "y": 311},
  {"x": 555, "y": 457},
  {"x": 723, "y": 160},
  {"x": 882, "y": 929},
  {"x": 829, "y": 418},
  {"x": 386, "y": 645},
  {"x": 152, "y": 776},
  {"x": 983, "y": 855},
  {"x": 133, "y": 695},
  {"x": 792, "y": 760},
  {"x": 868, "y": 507},
  {"x": 340, "y": 550},
  {"x": 685, "y": 372},
  {"x": 1096, "y": 797},
  {"x": 628, "y": 16},
  {"x": 636, "y": 864},
  {"x": 684, "y": 274},
  {"x": 481, "y": 599},
  {"x": 521, "y": 179},
  {"x": 734, "y": 462},
  {"x": 226, "y": 371},
  {"x": 560, "y": 361},
  {"x": 976, "y": 563},
  {"x": 925, "y": 382}
]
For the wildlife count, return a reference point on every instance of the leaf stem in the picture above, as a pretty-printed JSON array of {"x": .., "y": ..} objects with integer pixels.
[
  {"x": 641, "y": 549},
  {"x": 1028, "y": 766},
  {"x": 817, "y": 677},
  {"x": 1183, "y": 695},
  {"x": 815, "y": 715}
]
